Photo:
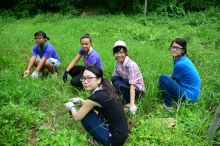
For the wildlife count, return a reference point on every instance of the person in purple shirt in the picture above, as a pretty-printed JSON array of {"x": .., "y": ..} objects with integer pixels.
[
  {"x": 90, "y": 58},
  {"x": 44, "y": 56}
]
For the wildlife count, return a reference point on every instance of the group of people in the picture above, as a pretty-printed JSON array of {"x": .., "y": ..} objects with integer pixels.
[{"x": 109, "y": 125}]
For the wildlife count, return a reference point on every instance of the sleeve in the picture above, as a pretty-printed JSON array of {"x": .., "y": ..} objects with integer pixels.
[
  {"x": 81, "y": 52},
  {"x": 98, "y": 97},
  {"x": 133, "y": 70},
  {"x": 34, "y": 50},
  {"x": 115, "y": 73},
  {"x": 178, "y": 72}
]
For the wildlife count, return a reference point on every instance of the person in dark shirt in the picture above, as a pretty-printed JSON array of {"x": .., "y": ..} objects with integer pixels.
[{"x": 109, "y": 126}]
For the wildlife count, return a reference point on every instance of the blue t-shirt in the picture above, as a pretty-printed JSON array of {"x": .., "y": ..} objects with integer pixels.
[
  {"x": 48, "y": 51},
  {"x": 92, "y": 58},
  {"x": 187, "y": 77}
]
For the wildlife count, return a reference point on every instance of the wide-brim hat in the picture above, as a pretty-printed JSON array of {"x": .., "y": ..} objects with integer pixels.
[{"x": 120, "y": 43}]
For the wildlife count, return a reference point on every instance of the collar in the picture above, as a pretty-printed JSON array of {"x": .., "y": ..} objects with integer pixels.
[
  {"x": 90, "y": 50},
  {"x": 43, "y": 47},
  {"x": 98, "y": 88}
]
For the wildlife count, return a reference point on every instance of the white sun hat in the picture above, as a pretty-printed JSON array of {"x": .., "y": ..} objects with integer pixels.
[{"x": 121, "y": 44}]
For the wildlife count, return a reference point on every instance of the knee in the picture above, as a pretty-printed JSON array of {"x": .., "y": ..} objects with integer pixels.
[
  {"x": 163, "y": 77},
  {"x": 115, "y": 78}
]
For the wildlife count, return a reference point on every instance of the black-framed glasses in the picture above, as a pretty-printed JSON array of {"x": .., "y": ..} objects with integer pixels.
[
  {"x": 88, "y": 79},
  {"x": 175, "y": 47}
]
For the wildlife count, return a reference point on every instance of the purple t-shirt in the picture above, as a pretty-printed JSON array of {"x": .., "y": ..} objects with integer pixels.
[
  {"x": 48, "y": 51},
  {"x": 92, "y": 58}
]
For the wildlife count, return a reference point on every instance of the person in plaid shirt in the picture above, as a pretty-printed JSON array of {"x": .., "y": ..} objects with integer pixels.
[{"x": 127, "y": 78}]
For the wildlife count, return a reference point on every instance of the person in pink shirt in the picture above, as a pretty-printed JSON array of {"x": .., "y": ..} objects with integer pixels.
[{"x": 127, "y": 78}]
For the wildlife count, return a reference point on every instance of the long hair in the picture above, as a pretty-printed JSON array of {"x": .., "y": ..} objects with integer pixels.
[{"x": 106, "y": 85}]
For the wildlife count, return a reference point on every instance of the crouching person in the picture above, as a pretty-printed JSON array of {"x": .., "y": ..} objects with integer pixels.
[{"x": 109, "y": 126}]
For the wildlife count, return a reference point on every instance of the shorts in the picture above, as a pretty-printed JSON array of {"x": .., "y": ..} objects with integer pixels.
[{"x": 54, "y": 61}]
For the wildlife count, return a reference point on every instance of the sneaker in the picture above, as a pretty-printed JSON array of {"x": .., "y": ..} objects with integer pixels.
[
  {"x": 53, "y": 75},
  {"x": 168, "y": 108}
]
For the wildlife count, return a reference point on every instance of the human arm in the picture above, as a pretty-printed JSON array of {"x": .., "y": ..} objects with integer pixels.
[
  {"x": 83, "y": 111},
  {"x": 30, "y": 64},
  {"x": 132, "y": 94},
  {"x": 41, "y": 63},
  {"x": 73, "y": 63}
]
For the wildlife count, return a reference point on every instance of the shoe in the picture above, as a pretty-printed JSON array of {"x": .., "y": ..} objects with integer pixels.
[
  {"x": 53, "y": 75},
  {"x": 168, "y": 108}
]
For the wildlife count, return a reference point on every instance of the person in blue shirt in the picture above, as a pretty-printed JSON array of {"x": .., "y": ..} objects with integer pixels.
[
  {"x": 184, "y": 82},
  {"x": 44, "y": 55}
]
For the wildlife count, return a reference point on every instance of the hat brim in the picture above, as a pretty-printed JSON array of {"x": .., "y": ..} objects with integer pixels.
[{"x": 121, "y": 46}]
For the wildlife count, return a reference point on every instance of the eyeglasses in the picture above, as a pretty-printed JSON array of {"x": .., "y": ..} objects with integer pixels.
[
  {"x": 175, "y": 47},
  {"x": 88, "y": 79}
]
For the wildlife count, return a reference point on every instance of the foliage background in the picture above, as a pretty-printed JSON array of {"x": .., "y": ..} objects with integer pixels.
[
  {"x": 32, "y": 110},
  {"x": 27, "y": 8}
]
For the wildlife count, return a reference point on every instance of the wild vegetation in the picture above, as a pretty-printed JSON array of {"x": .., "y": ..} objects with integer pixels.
[{"x": 32, "y": 111}]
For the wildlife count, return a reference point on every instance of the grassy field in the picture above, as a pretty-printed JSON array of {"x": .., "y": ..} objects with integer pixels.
[{"x": 32, "y": 111}]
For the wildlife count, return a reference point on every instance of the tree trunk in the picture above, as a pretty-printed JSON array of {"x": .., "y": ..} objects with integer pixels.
[{"x": 145, "y": 8}]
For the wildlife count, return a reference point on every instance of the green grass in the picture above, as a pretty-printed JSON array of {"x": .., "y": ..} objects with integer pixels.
[{"x": 32, "y": 110}]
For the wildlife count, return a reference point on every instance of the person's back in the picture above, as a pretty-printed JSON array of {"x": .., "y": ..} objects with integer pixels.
[{"x": 187, "y": 77}]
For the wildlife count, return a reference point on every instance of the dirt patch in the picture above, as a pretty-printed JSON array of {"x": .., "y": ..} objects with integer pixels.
[{"x": 32, "y": 136}]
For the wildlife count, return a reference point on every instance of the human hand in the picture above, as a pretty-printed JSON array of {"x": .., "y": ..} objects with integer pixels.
[
  {"x": 65, "y": 75},
  {"x": 68, "y": 106},
  {"x": 75, "y": 100},
  {"x": 132, "y": 108},
  {"x": 26, "y": 73},
  {"x": 35, "y": 74}
]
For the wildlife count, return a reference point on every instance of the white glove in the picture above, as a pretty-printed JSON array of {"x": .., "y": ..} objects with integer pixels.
[
  {"x": 75, "y": 100},
  {"x": 69, "y": 106},
  {"x": 35, "y": 74},
  {"x": 132, "y": 108}
]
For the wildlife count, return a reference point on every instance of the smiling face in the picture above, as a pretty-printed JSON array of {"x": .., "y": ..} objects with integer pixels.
[
  {"x": 176, "y": 50},
  {"x": 85, "y": 44},
  {"x": 120, "y": 55},
  {"x": 89, "y": 81}
]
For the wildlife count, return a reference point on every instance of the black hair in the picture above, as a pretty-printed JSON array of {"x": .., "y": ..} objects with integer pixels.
[
  {"x": 43, "y": 34},
  {"x": 86, "y": 36},
  {"x": 181, "y": 42},
  {"x": 118, "y": 48},
  {"x": 106, "y": 85}
]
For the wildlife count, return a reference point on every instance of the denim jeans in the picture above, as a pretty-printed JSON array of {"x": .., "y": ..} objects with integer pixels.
[
  {"x": 124, "y": 88},
  {"x": 170, "y": 89},
  {"x": 76, "y": 74},
  {"x": 96, "y": 126}
]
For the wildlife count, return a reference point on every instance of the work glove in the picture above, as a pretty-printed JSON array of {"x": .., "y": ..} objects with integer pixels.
[
  {"x": 65, "y": 74},
  {"x": 35, "y": 74},
  {"x": 132, "y": 108},
  {"x": 69, "y": 105},
  {"x": 75, "y": 100}
]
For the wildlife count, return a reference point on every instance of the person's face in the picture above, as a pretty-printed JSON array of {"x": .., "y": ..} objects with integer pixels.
[
  {"x": 39, "y": 40},
  {"x": 85, "y": 44},
  {"x": 120, "y": 56},
  {"x": 89, "y": 81},
  {"x": 176, "y": 50}
]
